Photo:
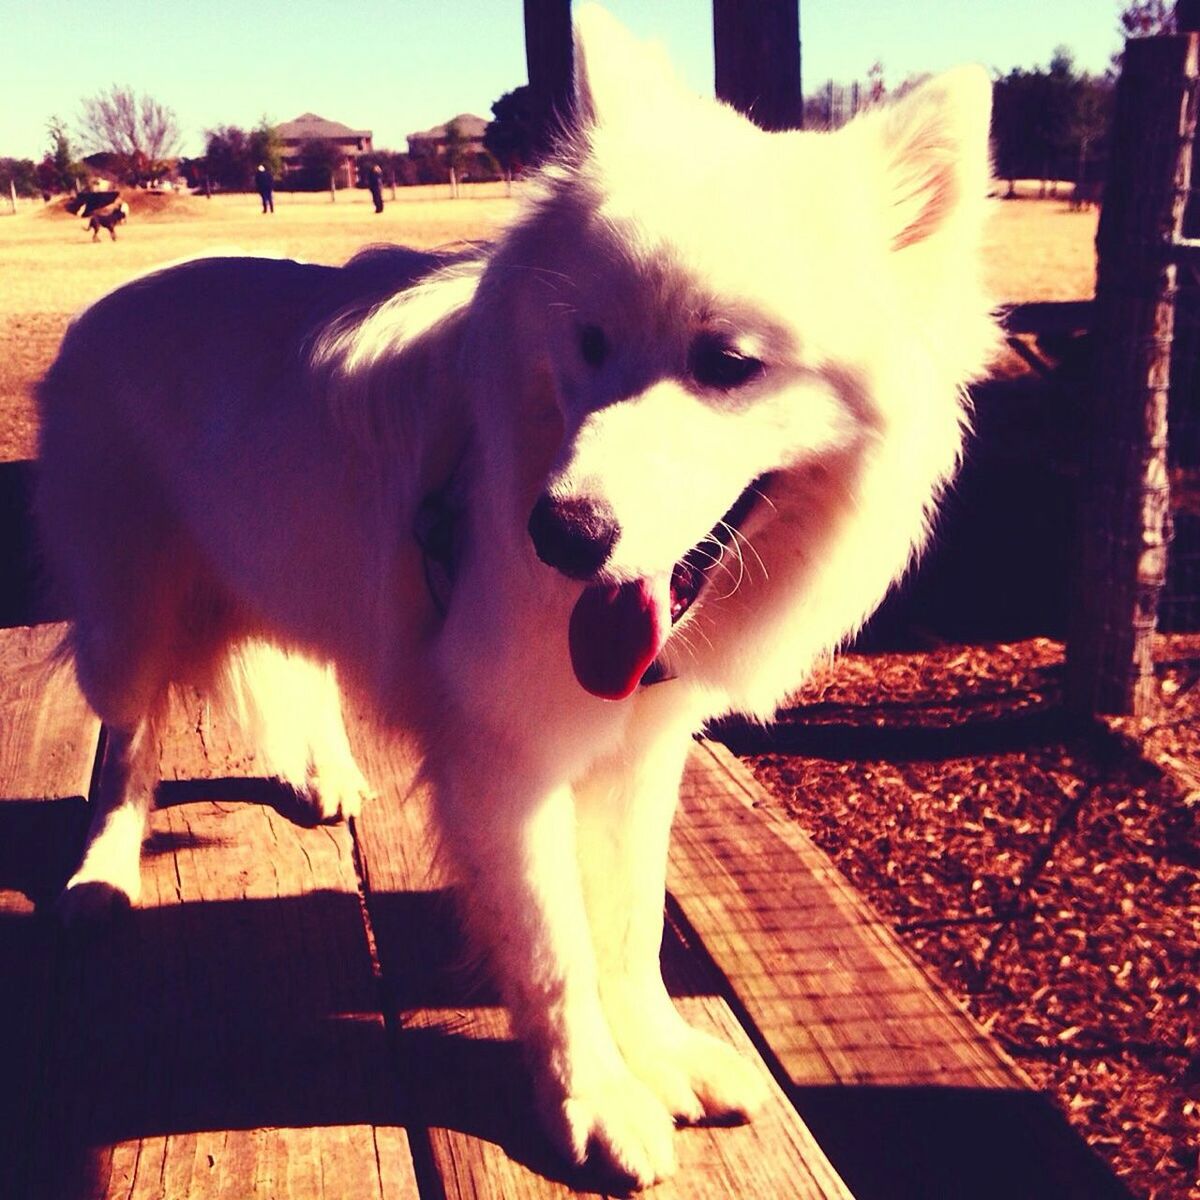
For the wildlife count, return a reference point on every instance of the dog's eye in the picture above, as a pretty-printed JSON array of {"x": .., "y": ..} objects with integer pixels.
[
  {"x": 714, "y": 363},
  {"x": 593, "y": 345}
]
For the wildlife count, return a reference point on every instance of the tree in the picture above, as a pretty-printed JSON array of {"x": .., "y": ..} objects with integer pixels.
[
  {"x": 18, "y": 177},
  {"x": 1150, "y": 18},
  {"x": 1087, "y": 130},
  {"x": 393, "y": 163},
  {"x": 454, "y": 154},
  {"x": 321, "y": 159},
  {"x": 65, "y": 173},
  {"x": 143, "y": 132},
  {"x": 227, "y": 158},
  {"x": 424, "y": 163},
  {"x": 511, "y": 135},
  {"x": 876, "y": 87},
  {"x": 266, "y": 147},
  {"x": 1050, "y": 123},
  {"x": 232, "y": 154},
  {"x": 1145, "y": 18}
]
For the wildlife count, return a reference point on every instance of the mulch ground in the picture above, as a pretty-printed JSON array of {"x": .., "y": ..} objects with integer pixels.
[{"x": 1047, "y": 872}]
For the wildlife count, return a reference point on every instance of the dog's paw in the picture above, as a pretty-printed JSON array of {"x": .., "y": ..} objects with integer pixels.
[
  {"x": 698, "y": 1077},
  {"x": 616, "y": 1124},
  {"x": 84, "y": 902},
  {"x": 334, "y": 792}
]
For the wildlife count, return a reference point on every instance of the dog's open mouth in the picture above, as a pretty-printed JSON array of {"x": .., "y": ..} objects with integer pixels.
[{"x": 618, "y": 630}]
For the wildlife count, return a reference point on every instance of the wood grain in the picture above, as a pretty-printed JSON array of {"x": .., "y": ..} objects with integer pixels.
[
  {"x": 473, "y": 1096},
  {"x": 224, "y": 1038},
  {"x": 48, "y": 742},
  {"x": 254, "y": 1029},
  {"x": 47, "y": 732},
  {"x": 824, "y": 981}
]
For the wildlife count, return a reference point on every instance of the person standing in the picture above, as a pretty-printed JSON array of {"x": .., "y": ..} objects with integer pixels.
[
  {"x": 265, "y": 186},
  {"x": 375, "y": 183}
]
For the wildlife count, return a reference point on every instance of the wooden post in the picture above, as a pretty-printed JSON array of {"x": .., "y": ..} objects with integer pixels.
[
  {"x": 548, "y": 56},
  {"x": 757, "y": 49},
  {"x": 1124, "y": 497}
]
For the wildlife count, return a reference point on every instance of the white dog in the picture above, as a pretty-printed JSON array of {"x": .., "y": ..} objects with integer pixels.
[{"x": 548, "y": 507}]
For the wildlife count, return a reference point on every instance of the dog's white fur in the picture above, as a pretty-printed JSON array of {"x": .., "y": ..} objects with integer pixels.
[{"x": 234, "y": 453}]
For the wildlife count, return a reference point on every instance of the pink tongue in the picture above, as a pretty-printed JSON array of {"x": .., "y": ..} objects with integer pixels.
[{"x": 617, "y": 632}]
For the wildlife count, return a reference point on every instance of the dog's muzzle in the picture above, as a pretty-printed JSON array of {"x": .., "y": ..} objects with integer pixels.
[
  {"x": 574, "y": 536},
  {"x": 617, "y": 630}
]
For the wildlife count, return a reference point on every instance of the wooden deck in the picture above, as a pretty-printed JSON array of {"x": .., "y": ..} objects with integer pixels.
[{"x": 286, "y": 1015}]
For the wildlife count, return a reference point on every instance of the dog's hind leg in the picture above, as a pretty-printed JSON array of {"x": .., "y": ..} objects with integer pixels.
[
  {"x": 292, "y": 707},
  {"x": 625, "y": 809}
]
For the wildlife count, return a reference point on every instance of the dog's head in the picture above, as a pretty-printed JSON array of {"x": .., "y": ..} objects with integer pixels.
[{"x": 720, "y": 309}]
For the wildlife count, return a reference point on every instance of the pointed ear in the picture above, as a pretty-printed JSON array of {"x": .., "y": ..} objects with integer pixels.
[
  {"x": 615, "y": 74},
  {"x": 935, "y": 143}
]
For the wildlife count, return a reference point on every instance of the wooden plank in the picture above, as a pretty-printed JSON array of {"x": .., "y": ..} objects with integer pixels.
[
  {"x": 904, "y": 1093},
  {"x": 47, "y": 732},
  {"x": 830, "y": 989},
  {"x": 224, "y": 1038},
  {"x": 472, "y": 1095},
  {"x": 47, "y": 747},
  {"x": 1049, "y": 317}
]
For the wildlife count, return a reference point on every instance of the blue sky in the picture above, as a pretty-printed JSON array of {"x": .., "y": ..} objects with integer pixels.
[{"x": 404, "y": 65}]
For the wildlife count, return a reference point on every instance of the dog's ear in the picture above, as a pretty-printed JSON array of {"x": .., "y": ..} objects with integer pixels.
[
  {"x": 617, "y": 77},
  {"x": 935, "y": 147}
]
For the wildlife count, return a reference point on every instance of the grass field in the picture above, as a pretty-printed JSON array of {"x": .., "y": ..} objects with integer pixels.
[{"x": 50, "y": 269}]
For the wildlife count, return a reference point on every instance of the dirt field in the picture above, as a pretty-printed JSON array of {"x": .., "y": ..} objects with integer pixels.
[{"x": 50, "y": 268}]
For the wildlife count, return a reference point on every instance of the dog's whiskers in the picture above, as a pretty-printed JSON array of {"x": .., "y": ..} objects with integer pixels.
[
  {"x": 765, "y": 498},
  {"x": 549, "y": 275},
  {"x": 743, "y": 540}
]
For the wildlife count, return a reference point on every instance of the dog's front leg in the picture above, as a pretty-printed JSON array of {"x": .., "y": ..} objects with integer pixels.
[
  {"x": 625, "y": 810},
  {"x": 108, "y": 877},
  {"x": 513, "y": 836}
]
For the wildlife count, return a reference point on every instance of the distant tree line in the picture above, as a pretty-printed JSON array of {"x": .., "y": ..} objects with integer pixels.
[
  {"x": 1049, "y": 123},
  {"x": 1052, "y": 123},
  {"x": 232, "y": 155}
]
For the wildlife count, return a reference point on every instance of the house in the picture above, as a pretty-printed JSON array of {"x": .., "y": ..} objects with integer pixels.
[
  {"x": 309, "y": 127},
  {"x": 433, "y": 141}
]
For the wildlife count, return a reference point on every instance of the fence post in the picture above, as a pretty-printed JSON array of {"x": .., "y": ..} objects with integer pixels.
[
  {"x": 757, "y": 52},
  {"x": 1124, "y": 492},
  {"x": 548, "y": 56}
]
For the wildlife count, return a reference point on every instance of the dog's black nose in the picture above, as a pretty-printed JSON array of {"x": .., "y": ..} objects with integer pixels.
[{"x": 573, "y": 536}]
